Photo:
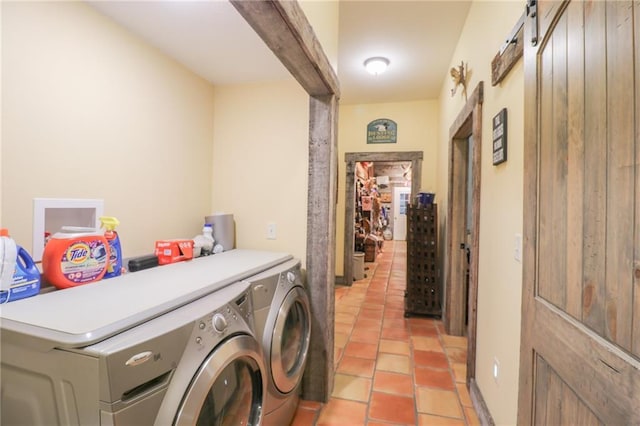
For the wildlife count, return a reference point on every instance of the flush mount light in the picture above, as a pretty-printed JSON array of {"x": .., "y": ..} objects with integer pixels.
[{"x": 376, "y": 65}]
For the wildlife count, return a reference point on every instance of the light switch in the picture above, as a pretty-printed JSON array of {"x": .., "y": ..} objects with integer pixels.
[{"x": 517, "y": 248}]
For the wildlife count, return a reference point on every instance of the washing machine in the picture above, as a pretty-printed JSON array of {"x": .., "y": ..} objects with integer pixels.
[
  {"x": 172, "y": 345},
  {"x": 283, "y": 325}
]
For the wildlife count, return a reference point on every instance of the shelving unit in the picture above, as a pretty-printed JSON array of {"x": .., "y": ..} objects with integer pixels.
[{"x": 423, "y": 294}]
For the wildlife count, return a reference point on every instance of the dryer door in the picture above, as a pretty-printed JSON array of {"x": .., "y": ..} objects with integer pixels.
[
  {"x": 290, "y": 342},
  {"x": 228, "y": 388}
]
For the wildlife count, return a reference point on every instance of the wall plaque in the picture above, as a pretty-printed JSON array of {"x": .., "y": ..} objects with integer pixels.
[
  {"x": 382, "y": 130},
  {"x": 500, "y": 137}
]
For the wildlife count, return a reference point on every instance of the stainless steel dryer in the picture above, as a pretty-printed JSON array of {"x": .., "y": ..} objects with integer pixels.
[
  {"x": 170, "y": 345},
  {"x": 283, "y": 325}
]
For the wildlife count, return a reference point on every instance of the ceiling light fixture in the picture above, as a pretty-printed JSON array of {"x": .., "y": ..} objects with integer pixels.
[{"x": 376, "y": 65}]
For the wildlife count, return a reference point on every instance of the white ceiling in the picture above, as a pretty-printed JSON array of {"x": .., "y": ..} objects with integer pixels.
[{"x": 214, "y": 41}]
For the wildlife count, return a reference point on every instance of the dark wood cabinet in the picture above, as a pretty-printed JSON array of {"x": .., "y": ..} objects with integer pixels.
[{"x": 423, "y": 294}]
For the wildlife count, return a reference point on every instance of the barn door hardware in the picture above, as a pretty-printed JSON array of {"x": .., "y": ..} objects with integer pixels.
[{"x": 532, "y": 12}]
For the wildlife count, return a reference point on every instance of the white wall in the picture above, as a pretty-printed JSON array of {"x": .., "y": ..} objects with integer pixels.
[
  {"x": 90, "y": 111},
  {"x": 260, "y": 163},
  {"x": 500, "y": 276},
  {"x": 418, "y": 125}
]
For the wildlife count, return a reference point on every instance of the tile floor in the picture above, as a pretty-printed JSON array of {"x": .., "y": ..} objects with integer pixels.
[{"x": 391, "y": 370}]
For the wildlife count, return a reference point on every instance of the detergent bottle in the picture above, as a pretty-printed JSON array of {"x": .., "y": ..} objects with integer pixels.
[
  {"x": 75, "y": 256},
  {"x": 114, "y": 267},
  {"x": 8, "y": 254},
  {"x": 25, "y": 280}
]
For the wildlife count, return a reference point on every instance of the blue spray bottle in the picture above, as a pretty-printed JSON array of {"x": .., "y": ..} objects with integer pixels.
[{"x": 114, "y": 267}]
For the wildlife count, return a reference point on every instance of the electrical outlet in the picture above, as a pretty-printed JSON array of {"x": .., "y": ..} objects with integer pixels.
[
  {"x": 496, "y": 369},
  {"x": 271, "y": 231},
  {"x": 517, "y": 248}
]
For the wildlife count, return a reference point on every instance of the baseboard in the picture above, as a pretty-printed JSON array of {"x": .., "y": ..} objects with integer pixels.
[
  {"x": 340, "y": 280},
  {"x": 480, "y": 406}
]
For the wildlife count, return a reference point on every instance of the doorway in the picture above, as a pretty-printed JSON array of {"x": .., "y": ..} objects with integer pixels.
[
  {"x": 412, "y": 157},
  {"x": 401, "y": 197},
  {"x": 463, "y": 216}
]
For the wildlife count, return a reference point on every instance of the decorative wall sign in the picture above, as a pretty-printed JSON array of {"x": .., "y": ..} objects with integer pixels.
[
  {"x": 500, "y": 137},
  {"x": 382, "y": 130}
]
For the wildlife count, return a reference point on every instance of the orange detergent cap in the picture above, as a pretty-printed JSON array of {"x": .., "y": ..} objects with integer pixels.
[{"x": 4, "y": 232}]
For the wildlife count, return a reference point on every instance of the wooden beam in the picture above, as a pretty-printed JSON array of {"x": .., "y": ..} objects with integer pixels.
[
  {"x": 284, "y": 28},
  {"x": 317, "y": 383}
]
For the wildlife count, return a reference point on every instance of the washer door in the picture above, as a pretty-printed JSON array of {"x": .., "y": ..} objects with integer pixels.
[
  {"x": 228, "y": 389},
  {"x": 290, "y": 342}
]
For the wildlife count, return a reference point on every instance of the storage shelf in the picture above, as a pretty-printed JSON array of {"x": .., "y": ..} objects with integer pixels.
[{"x": 423, "y": 295}]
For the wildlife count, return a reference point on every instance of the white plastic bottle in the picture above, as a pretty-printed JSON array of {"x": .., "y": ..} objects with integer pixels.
[
  {"x": 207, "y": 233},
  {"x": 8, "y": 256}
]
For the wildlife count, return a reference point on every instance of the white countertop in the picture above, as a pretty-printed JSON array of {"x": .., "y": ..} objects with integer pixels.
[{"x": 88, "y": 313}]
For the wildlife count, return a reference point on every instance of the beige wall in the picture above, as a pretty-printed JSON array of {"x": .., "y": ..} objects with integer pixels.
[
  {"x": 260, "y": 163},
  {"x": 324, "y": 15},
  {"x": 90, "y": 111},
  {"x": 417, "y": 131},
  {"x": 500, "y": 276}
]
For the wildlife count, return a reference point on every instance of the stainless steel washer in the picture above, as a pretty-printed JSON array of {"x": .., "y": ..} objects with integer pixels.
[
  {"x": 170, "y": 345},
  {"x": 283, "y": 325}
]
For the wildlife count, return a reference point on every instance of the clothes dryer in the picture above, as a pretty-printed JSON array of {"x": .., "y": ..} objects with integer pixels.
[
  {"x": 169, "y": 345},
  {"x": 283, "y": 325}
]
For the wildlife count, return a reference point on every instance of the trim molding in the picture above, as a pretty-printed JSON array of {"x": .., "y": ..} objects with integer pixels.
[{"x": 480, "y": 406}]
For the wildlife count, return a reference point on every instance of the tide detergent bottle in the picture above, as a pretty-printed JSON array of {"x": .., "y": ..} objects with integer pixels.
[
  {"x": 114, "y": 268},
  {"x": 75, "y": 256}
]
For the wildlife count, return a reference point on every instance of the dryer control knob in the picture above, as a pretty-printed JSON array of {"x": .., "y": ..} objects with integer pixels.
[
  {"x": 219, "y": 323},
  {"x": 291, "y": 277}
]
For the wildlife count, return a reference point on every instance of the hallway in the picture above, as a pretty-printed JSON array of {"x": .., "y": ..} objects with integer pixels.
[{"x": 391, "y": 370}]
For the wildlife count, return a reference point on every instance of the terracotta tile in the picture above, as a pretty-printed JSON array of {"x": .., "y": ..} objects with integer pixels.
[
  {"x": 457, "y": 355},
  {"x": 304, "y": 417},
  {"x": 394, "y": 323},
  {"x": 343, "y": 328},
  {"x": 472, "y": 416},
  {"x": 373, "y": 306},
  {"x": 345, "y": 318},
  {"x": 398, "y": 384},
  {"x": 421, "y": 322},
  {"x": 309, "y": 405},
  {"x": 426, "y": 344},
  {"x": 374, "y": 314},
  {"x": 454, "y": 341},
  {"x": 351, "y": 387},
  {"x": 374, "y": 423},
  {"x": 356, "y": 366},
  {"x": 347, "y": 309},
  {"x": 429, "y": 420},
  {"x": 365, "y": 335},
  {"x": 393, "y": 363},
  {"x": 394, "y": 347},
  {"x": 341, "y": 412},
  {"x": 394, "y": 313},
  {"x": 463, "y": 394},
  {"x": 392, "y": 408},
  {"x": 340, "y": 340},
  {"x": 337, "y": 353},
  {"x": 433, "y": 378},
  {"x": 439, "y": 402},
  {"x": 431, "y": 359},
  {"x": 395, "y": 334},
  {"x": 424, "y": 331},
  {"x": 370, "y": 324},
  {"x": 459, "y": 372},
  {"x": 361, "y": 350}
]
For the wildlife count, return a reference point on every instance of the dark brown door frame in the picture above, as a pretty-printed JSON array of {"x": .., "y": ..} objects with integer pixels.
[
  {"x": 350, "y": 195},
  {"x": 468, "y": 123}
]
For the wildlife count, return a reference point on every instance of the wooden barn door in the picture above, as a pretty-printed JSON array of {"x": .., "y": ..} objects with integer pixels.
[{"x": 581, "y": 301}]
